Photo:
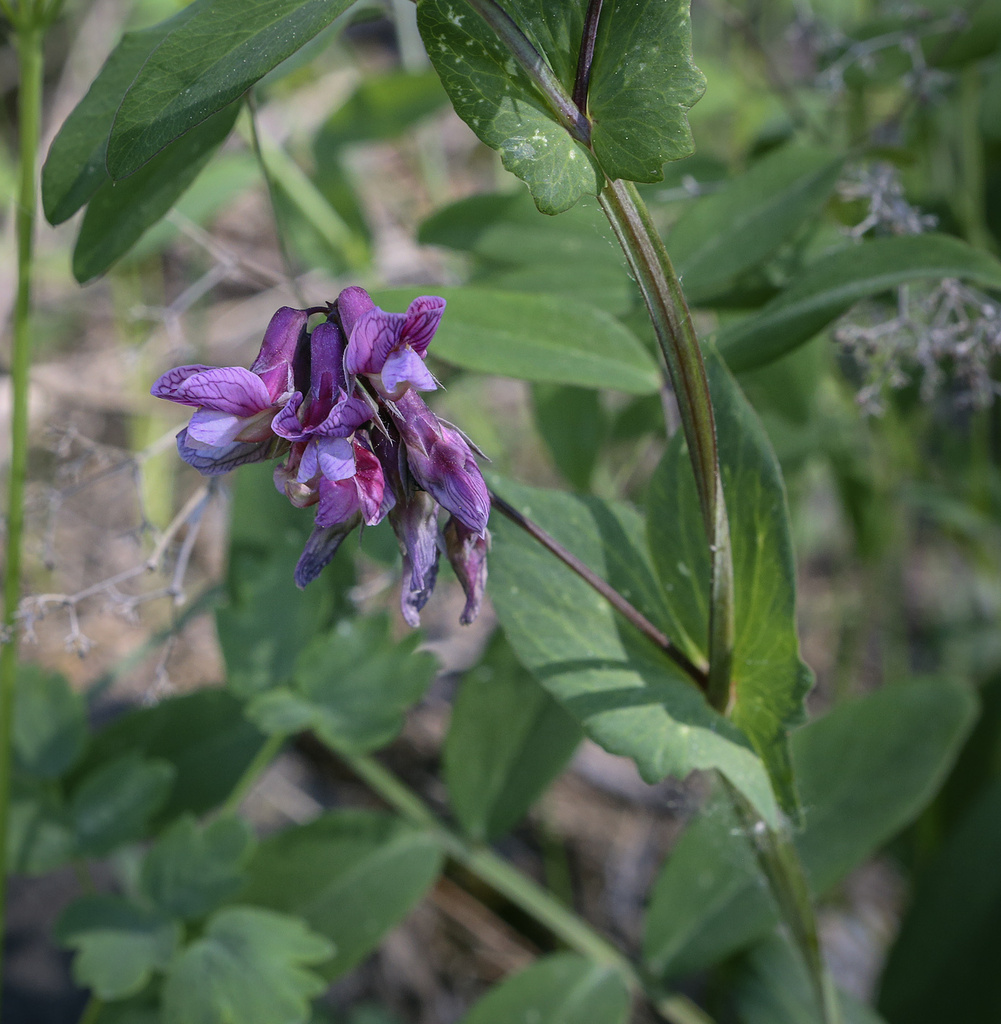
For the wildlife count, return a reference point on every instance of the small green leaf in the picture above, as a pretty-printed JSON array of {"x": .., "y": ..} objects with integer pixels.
[
  {"x": 75, "y": 168},
  {"x": 119, "y": 212},
  {"x": 249, "y": 966},
  {"x": 351, "y": 875},
  {"x": 495, "y": 97},
  {"x": 628, "y": 696},
  {"x": 507, "y": 741},
  {"x": 114, "y": 803},
  {"x": 943, "y": 965},
  {"x": 536, "y": 338},
  {"x": 202, "y": 65},
  {"x": 642, "y": 83},
  {"x": 118, "y": 944},
  {"x": 352, "y": 687},
  {"x": 50, "y": 723},
  {"x": 40, "y": 835},
  {"x": 833, "y": 284},
  {"x": 190, "y": 871},
  {"x": 561, "y": 989},
  {"x": 732, "y": 231},
  {"x": 864, "y": 771},
  {"x": 769, "y": 678},
  {"x": 203, "y": 735}
]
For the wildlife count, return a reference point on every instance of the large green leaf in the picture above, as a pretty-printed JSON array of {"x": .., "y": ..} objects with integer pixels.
[
  {"x": 629, "y": 697},
  {"x": 352, "y": 687},
  {"x": 202, "y": 65},
  {"x": 118, "y": 944},
  {"x": 50, "y": 723},
  {"x": 729, "y": 232},
  {"x": 75, "y": 167},
  {"x": 495, "y": 97},
  {"x": 829, "y": 287},
  {"x": 495, "y": 774},
  {"x": 864, "y": 771},
  {"x": 769, "y": 678},
  {"x": 561, "y": 989},
  {"x": 536, "y": 338},
  {"x": 203, "y": 735},
  {"x": 642, "y": 83},
  {"x": 944, "y": 963},
  {"x": 120, "y": 212},
  {"x": 573, "y": 424},
  {"x": 251, "y": 966},
  {"x": 351, "y": 875}
]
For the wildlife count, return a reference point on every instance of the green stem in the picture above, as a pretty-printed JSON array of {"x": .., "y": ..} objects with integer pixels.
[
  {"x": 29, "y": 47},
  {"x": 263, "y": 757},
  {"x": 524, "y": 893},
  {"x": 92, "y": 1011},
  {"x": 672, "y": 323},
  {"x": 780, "y": 863}
]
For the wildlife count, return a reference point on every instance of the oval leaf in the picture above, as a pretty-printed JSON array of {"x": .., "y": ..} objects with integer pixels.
[
  {"x": 536, "y": 338},
  {"x": 50, "y": 723}
]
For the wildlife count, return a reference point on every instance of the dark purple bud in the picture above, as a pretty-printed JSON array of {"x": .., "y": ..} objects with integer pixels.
[
  {"x": 282, "y": 349},
  {"x": 320, "y": 549},
  {"x": 351, "y": 304},
  {"x": 415, "y": 522},
  {"x": 467, "y": 551}
]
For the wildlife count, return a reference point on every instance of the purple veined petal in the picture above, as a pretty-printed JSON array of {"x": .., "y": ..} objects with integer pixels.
[
  {"x": 423, "y": 316},
  {"x": 335, "y": 457},
  {"x": 286, "y": 422},
  {"x": 167, "y": 384},
  {"x": 375, "y": 335},
  {"x": 320, "y": 549},
  {"x": 274, "y": 363},
  {"x": 230, "y": 389},
  {"x": 339, "y": 502},
  {"x": 347, "y": 415},
  {"x": 209, "y": 427},
  {"x": 309, "y": 463},
  {"x": 371, "y": 484},
  {"x": 467, "y": 551},
  {"x": 352, "y": 303},
  {"x": 214, "y": 461},
  {"x": 403, "y": 367}
]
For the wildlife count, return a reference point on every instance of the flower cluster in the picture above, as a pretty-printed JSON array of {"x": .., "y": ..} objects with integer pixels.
[{"x": 339, "y": 406}]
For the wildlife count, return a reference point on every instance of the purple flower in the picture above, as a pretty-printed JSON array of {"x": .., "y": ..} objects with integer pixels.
[
  {"x": 389, "y": 348},
  {"x": 467, "y": 551},
  {"x": 442, "y": 462},
  {"x": 234, "y": 406}
]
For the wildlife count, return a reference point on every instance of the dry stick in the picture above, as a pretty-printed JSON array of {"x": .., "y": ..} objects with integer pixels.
[{"x": 612, "y": 596}]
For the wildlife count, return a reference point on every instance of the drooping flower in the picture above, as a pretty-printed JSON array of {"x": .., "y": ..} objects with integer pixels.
[
  {"x": 234, "y": 407},
  {"x": 467, "y": 551}
]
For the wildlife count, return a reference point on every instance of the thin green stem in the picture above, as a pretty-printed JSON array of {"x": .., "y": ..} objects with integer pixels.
[
  {"x": 524, "y": 893},
  {"x": 29, "y": 49},
  {"x": 92, "y": 1011},
  {"x": 672, "y": 323},
  {"x": 263, "y": 757}
]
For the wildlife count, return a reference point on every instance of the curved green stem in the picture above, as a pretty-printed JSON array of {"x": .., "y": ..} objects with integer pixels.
[
  {"x": 29, "y": 49},
  {"x": 268, "y": 752},
  {"x": 679, "y": 343},
  {"x": 481, "y": 861}
]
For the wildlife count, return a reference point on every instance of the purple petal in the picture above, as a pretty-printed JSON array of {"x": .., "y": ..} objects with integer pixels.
[
  {"x": 416, "y": 526},
  {"x": 467, "y": 551},
  {"x": 214, "y": 428},
  {"x": 327, "y": 360},
  {"x": 166, "y": 386},
  {"x": 403, "y": 367},
  {"x": 423, "y": 316},
  {"x": 216, "y": 461},
  {"x": 230, "y": 389},
  {"x": 339, "y": 502},
  {"x": 375, "y": 335},
  {"x": 351, "y": 304},
  {"x": 371, "y": 484},
  {"x": 286, "y": 423},
  {"x": 320, "y": 549},
  {"x": 346, "y": 416},
  {"x": 277, "y": 357},
  {"x": 336, "y": 458}
]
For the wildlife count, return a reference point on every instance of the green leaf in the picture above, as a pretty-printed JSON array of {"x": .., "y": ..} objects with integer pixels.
[
  {"x": 771, "y": 986},
  {"x": 494, "y": 773},
  {"x": 351, "y": 875},
  {"x": 833, "y": 284},
  {"x": 118, "y": 944},
  {"x": 203, "y": 735},
  {"x": 573, "y": 424},
  {"x": 628, "y": 696},
  {"x": 119, "y": 212},
  {"x": 943, "y": 965},
  {"x": 352, "y": 687},
  {"x": 732, "y": 231},
  {"x": 202, "y": 65},
  {"x": 769, "y": 678},
  {"x": 642, "y": 83},
  {"x": 75, "y": 167},
  {"x": 190, "y": 871},
  {"x": 495, "y": 97},
  {"x": 50, "y": 723},
  {"x": 561, "y": 989},
  {"x": 249, "y": 966},
  {"x": 865, "y": 770},
  {"x": 40, "y": 835},
  {"x": 114, "y": 803},
  {"x": 536, "y": 338}
]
